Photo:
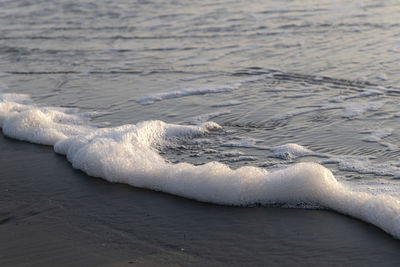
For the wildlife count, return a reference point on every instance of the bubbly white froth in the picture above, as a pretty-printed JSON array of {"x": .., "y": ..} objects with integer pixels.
[
  {"x": 290, "y": 151},
  {"x": 128, "y": 154}
]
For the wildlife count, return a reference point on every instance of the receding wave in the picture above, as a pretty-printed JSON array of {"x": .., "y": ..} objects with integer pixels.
[{"x": 130, "y": 154}]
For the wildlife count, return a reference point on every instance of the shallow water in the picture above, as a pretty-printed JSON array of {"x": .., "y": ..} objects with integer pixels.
[{"x": 321, "y": 75}]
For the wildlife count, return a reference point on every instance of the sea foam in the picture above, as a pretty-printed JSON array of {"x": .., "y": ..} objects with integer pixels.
[
  {"x": 191, "y": 90},
  {"x": 206, "y": 117},
  {"x": 129, "y": 154},
  {"x": 187, "y": 91},
  {"x": 290, "y": 151}
]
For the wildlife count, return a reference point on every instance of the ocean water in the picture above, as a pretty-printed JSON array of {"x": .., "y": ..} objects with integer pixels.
[{"x": 279, "y": 103}]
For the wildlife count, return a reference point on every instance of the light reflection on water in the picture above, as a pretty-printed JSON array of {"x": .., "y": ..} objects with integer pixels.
[{"x": 308, "y": 69}]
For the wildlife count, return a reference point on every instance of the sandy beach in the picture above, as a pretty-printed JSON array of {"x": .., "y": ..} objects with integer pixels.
[{"x": 53, "y": 215}]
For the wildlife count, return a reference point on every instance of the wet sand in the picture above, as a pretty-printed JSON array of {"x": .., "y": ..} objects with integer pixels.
[{"x": 53, "y": 215}]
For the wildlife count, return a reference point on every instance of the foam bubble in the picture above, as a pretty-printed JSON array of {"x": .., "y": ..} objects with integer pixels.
[{"x": 290, "y": 151}]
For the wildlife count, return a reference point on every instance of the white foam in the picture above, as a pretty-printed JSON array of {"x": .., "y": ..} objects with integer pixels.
[
  {"x": 187, "y": 91},
  {"x": 290, "y": 151},
  {"x": 21, "y": 120},
  {"x": 363, "y": 165},
  {"x": 192, "y": 90},
  {"x": 375, "y": 187},
  {"x": 206, "y": 117},
  {"x": 42, "y": 126},
  {"x": 245, "y": 142},
  {"x": 287, "y": 152},
  {"x": 236, "y": 156},
  {"x": 15, "y": 98},
  {"x": 128, "y": 154}
]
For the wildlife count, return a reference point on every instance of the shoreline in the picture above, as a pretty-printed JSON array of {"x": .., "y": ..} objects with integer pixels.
[{"x": 52, "y": 215}]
